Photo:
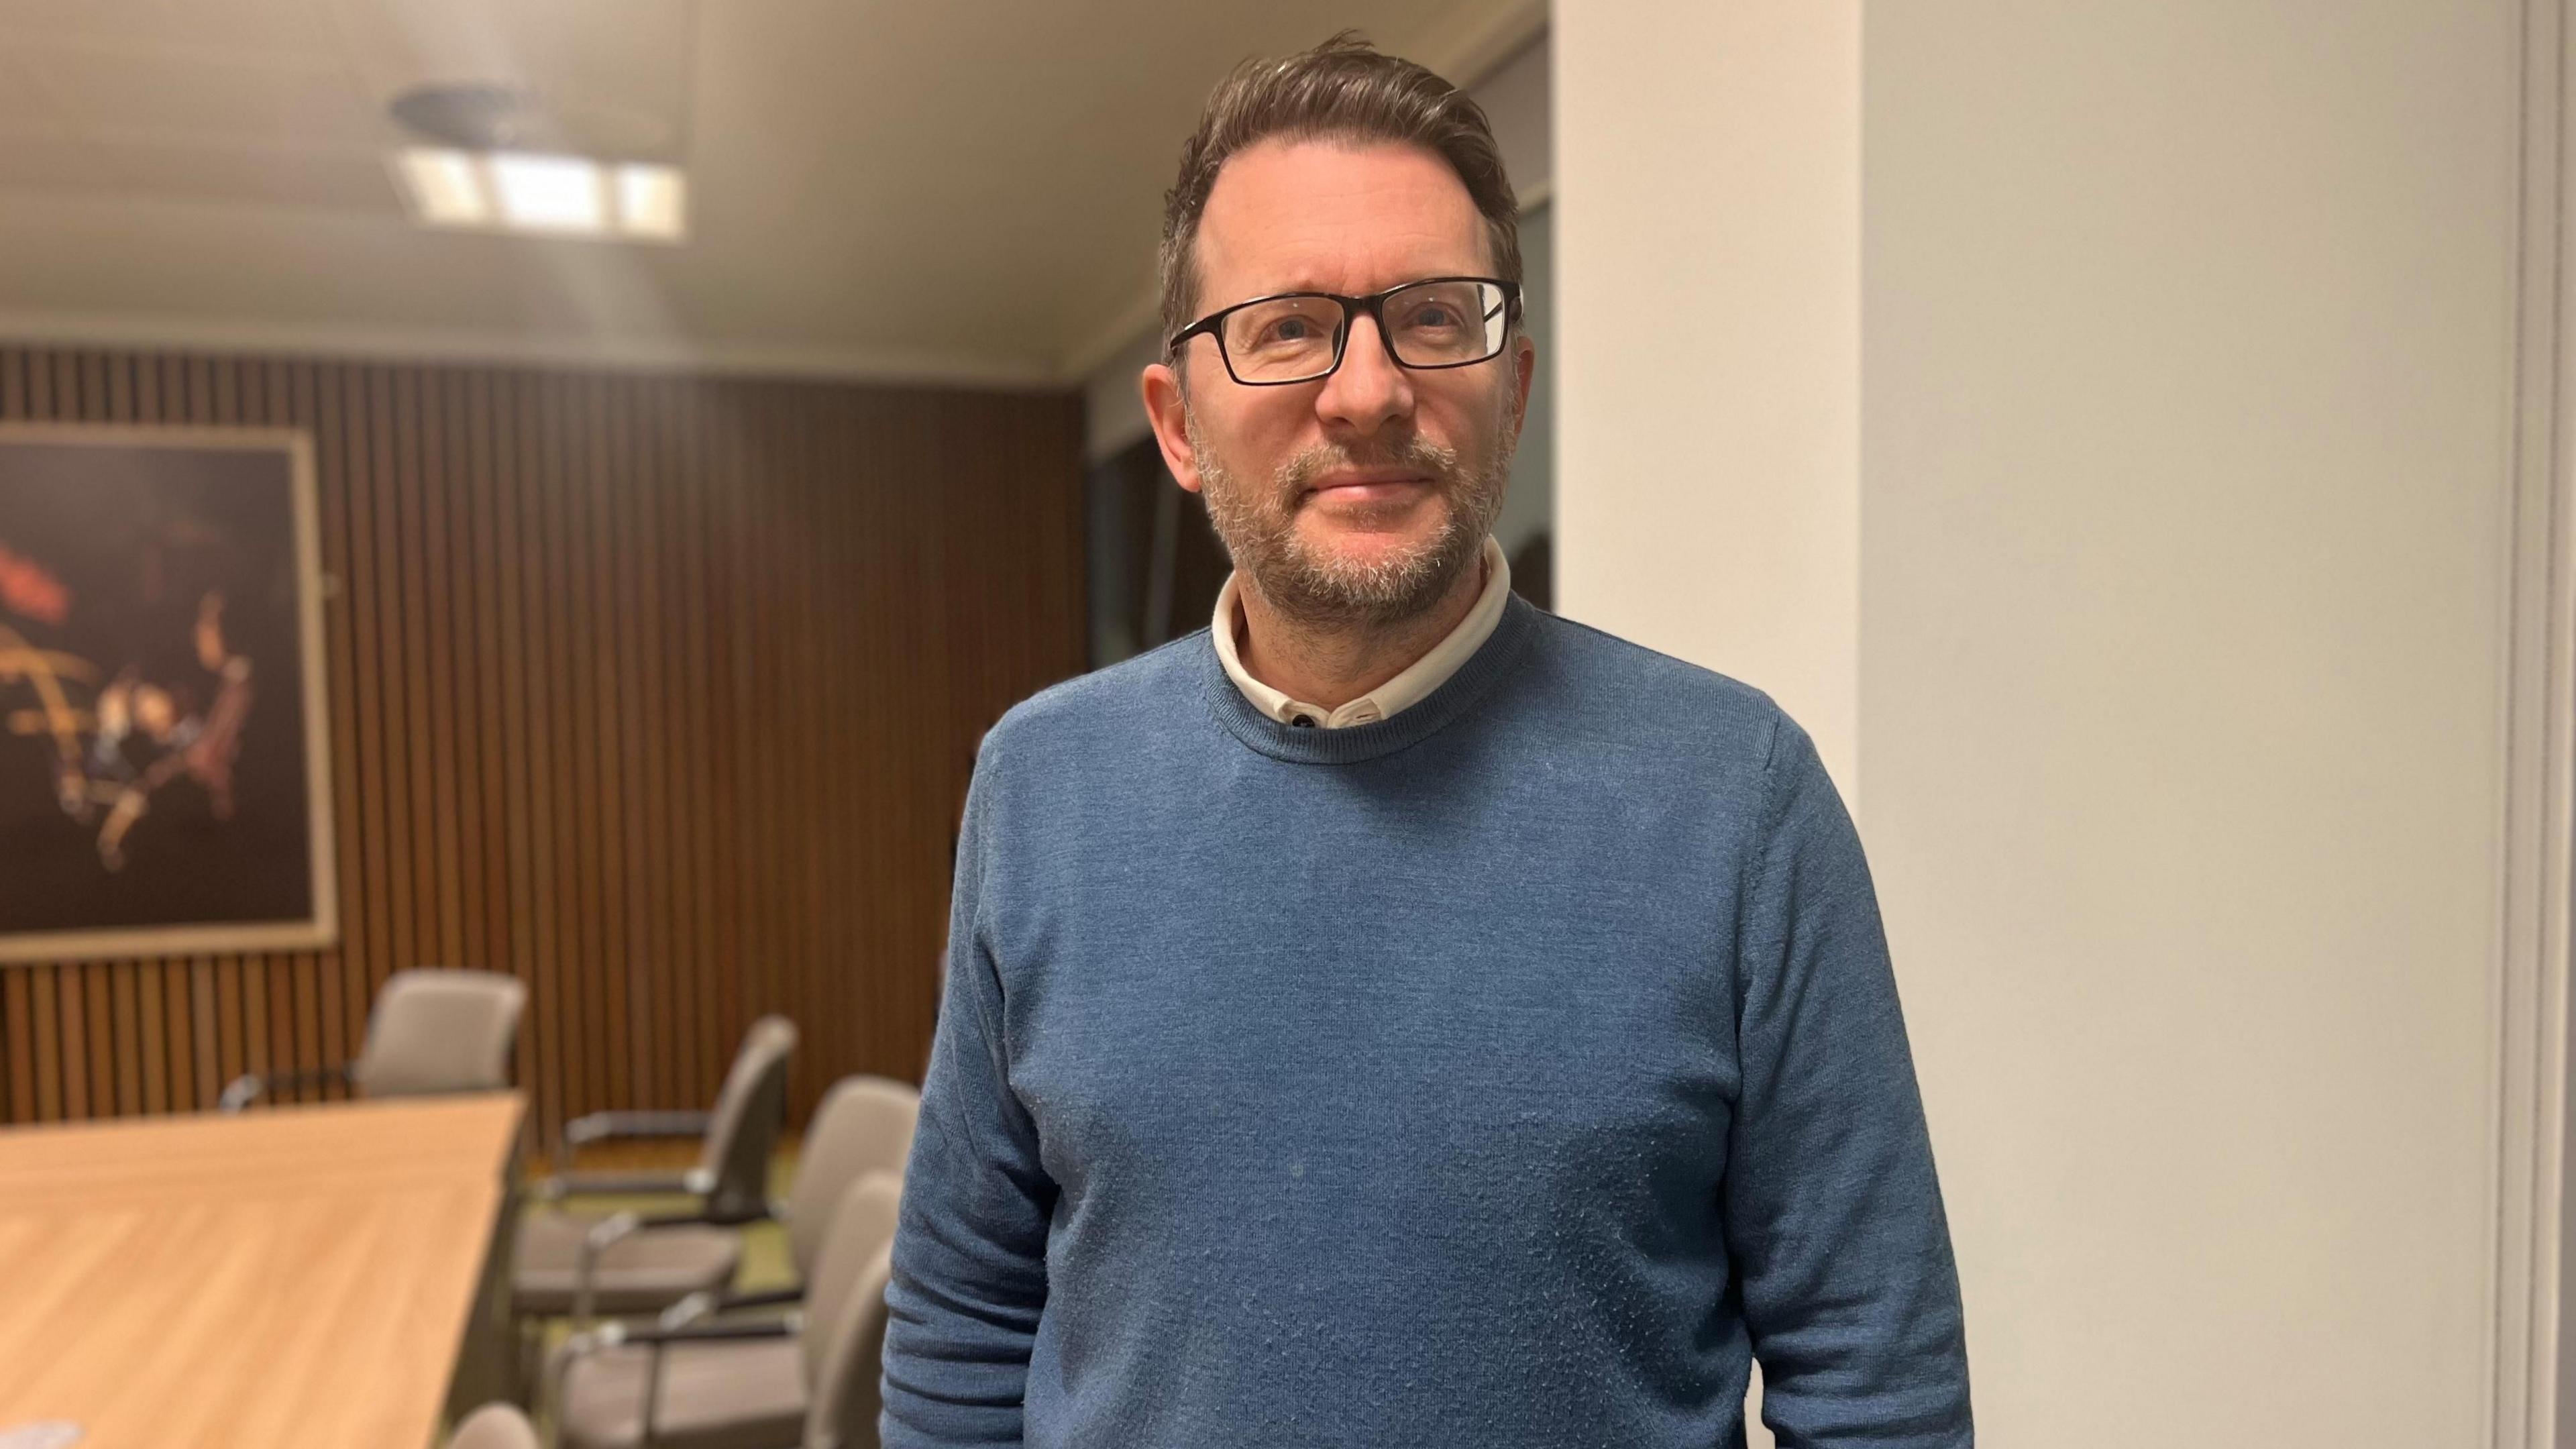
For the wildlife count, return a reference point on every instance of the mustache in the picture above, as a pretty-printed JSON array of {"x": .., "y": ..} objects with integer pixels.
[{"x": 1414, "y": 453}]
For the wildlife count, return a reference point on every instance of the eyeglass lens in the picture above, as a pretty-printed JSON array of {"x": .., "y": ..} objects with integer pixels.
[{"x": 1429, "y": 324}]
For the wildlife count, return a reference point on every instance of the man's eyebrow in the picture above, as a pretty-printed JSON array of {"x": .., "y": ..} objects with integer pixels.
[{"x": 1315, "y": 286}]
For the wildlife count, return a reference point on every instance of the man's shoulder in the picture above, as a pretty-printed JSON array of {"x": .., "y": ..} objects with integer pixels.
[
  {"x": 1125, "y": 702},
  {"x": 1620, "y": 682}
]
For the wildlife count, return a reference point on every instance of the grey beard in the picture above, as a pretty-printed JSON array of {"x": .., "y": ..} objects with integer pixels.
[{"x": 1258, "y": 528}]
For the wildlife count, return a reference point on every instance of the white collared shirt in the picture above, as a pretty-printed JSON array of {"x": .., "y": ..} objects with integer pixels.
[{"x": 1387, "y": 700}]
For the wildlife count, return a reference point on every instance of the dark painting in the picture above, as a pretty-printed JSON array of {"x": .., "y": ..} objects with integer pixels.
[{"x": 160, "y": 759}]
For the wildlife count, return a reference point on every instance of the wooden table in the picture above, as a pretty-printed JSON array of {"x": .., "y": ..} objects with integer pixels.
[{"x": 291, "y": 1276}]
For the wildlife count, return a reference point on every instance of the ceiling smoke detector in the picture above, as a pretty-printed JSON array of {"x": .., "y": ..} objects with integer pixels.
[
  {"x": 485, "y": 115},
  {"x": 506, "y": 161},
  {"x": 478, "y": 116}
]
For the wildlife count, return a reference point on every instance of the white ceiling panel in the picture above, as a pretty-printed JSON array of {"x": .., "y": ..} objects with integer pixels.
[
  {"x": 617, "y": 70},
  {"x": 267, "y": 27},
  {"x": 206, "y": 95},
  {"x": 43, "y": 162},
  {"x": 22, "y": 107},
  {"x": 350, "y": 181},
  {"x": 966, "y": 189}
]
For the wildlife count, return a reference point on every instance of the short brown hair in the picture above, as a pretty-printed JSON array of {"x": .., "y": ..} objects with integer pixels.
[{"x": 1342, "y": 89}]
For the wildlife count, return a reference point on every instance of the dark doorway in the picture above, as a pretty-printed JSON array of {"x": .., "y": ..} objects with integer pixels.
[{"x": 1156, "y": 565}]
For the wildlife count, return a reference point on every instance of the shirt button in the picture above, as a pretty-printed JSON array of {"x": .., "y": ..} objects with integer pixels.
[{"x": 1303, "y": 721}]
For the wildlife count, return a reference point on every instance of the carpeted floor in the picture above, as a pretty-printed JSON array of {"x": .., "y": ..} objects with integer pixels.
[{"x": 764, "y": 1249}]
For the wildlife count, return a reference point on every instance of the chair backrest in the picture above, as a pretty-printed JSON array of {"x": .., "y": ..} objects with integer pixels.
[
  {"x": 494, "y": 1426},
  {"x": 742, "y": 1131},
  {"x": 437, "y": 1031},
  {"x": 845, "y": 1317},
  {"x": 863, "y": 1125}
]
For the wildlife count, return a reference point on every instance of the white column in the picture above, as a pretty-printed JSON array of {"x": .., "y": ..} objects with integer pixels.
[
  {"x": 1708, "y": 277},
  {"x": 2157, "y": 583},
  {"x": 2188, "y": 343}
]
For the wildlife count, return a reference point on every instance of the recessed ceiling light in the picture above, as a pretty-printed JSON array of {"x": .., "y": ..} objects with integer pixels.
[
  {"x": 652, "y": 201},
  {"x": 446, "y": 187},
  {"x": 533, "y": 192},
  {"x": 548, "y": 193}
]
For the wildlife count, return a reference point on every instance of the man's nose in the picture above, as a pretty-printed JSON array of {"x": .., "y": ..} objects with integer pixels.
[{"x": 1368, "y": 391}]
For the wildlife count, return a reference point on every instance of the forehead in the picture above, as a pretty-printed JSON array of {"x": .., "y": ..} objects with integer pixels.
[{"x": 1334, "y": 216}]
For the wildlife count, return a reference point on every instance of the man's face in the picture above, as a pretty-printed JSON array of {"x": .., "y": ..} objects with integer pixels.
[{"x": 1358, "y": 497}]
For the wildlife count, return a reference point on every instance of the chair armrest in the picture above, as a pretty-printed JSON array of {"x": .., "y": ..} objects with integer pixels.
[
  {"x": 657, "y": 1339},
  {"x": 710, "y": 1305},
  {"x": 606, "y": 1233},
  {"x": 618, "y": 1331},
  {"x": 251, "y": 1086},
  {"x": 610, "y": 1335},
  {"x": 703, "y": 1304},
  {"x": 617, "y": 1184},
  {"x": 765, "y": 1298},
  {"x": 608, "y": 1126},
  {"x": 711, "y": 1332}
]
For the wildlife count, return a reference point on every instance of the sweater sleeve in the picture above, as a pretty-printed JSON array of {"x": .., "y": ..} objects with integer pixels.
[
  {"x": 1832, "y": 1210},
  {"x": 969, "y": 1279}
]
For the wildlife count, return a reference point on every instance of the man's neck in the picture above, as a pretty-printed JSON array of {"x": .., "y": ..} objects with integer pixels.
[{"x": 1329, "y": 665}]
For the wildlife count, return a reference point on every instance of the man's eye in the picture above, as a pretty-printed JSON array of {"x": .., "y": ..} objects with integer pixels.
[
  {"x": 1289, "y": 329},
  {"x": 1431, "y": 315}
]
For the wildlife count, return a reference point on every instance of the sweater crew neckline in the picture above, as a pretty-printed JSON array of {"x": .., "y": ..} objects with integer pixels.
[{"x": 1352, "y": 744}]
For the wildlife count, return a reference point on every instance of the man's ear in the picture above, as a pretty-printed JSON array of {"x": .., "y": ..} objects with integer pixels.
[{"x": 1170, "y": 415}]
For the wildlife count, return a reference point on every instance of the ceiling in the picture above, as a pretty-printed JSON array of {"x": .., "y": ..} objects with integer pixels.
[{"x": 966, "y": 190}]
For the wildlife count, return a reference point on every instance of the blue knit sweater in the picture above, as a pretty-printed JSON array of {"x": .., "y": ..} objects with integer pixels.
[{"x": 1506, "y": 1073}]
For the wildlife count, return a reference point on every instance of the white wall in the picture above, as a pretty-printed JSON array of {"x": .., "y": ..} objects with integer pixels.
[
  {"x": 2187, "y": 356},
  {"x": 1708, "y": 234},
  {"x": 2179, "y": 548}
]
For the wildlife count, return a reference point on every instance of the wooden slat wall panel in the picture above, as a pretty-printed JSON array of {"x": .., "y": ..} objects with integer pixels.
[{"x": 658, "y": 692}]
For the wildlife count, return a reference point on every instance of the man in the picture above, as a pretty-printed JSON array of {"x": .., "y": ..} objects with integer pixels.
[{"x": 1396, "y": 1016}]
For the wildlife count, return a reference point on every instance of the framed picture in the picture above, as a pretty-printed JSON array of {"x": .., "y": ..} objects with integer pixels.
[{"x": 164, "y": 777}]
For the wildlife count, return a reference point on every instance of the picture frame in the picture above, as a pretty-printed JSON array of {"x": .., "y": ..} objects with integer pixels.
[{"x": 164, "y": 720}]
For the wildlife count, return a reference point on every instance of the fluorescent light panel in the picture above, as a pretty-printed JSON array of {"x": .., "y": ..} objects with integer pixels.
[
  {"x": 548, "y": 193},
  {"x": 446, "y": 188},
  {"x": 555, "y": 195},
  {"x": 651, "y": 201}
]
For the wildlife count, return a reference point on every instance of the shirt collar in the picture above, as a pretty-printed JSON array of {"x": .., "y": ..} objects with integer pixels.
[{"x": 1403, "y": 691}]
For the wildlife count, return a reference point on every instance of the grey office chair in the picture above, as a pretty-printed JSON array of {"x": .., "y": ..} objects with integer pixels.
[
  {"x": 494, "y": 1426},
  {"x": 847, "y": 1385},
  {"x": 584, "y": 1264},
  {"x": 430, "y": 1031},
  {"x": 863, "y": 1125},
  {"x": 746, "y": 1384}
]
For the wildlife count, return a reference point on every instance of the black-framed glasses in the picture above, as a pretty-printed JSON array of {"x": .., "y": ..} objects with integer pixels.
[{"x": 1299, "y": 336}]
